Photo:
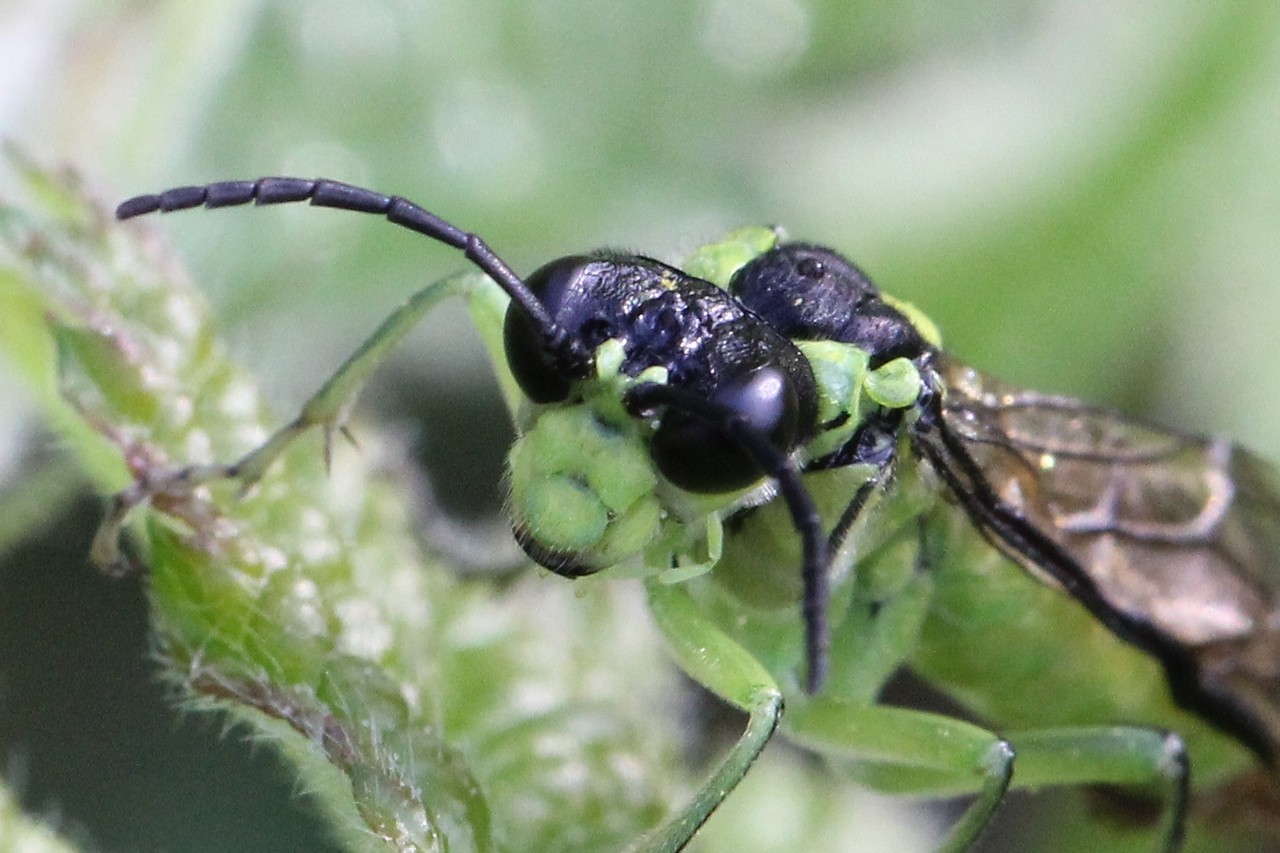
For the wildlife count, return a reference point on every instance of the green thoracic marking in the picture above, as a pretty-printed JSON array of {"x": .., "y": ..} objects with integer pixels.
[
  {"x": 895, "y": 384},
  {"x": 925, "y": 326},
  {"x": 718, "y": 262},
  {"x": 840, "y": 371}
]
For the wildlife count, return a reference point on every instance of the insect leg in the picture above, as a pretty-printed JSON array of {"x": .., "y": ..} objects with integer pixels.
[
  {"x": 904, "y": 751},
  {"x": 853, "y": 511},
  {"x": 729, "y": 671},
  {"x": 326, "y": 408},
  {"x": 1131, "y": 756},
  {"x": 915, "y": 752}
]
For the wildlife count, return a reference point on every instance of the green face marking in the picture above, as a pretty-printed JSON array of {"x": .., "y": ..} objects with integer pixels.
[
  {"x": 581, "y": 485},
  {"x": 581, "y": 478}
]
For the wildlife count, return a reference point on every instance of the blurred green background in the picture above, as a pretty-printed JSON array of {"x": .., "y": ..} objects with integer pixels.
[{"x": 1079, "y": 194}]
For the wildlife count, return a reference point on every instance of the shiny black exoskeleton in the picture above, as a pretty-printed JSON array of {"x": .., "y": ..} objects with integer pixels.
[
  {"x": 709, "y": 343},
  {"x": 811, "y": 293}
]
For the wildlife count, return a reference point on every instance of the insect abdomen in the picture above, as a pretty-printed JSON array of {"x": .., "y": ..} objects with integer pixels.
[{"x": 1022, "y": 654}]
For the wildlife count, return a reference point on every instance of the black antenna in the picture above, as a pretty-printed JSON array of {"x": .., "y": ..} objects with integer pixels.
[
  {"x": 568, "y": 351},
  {"x": 804, "y": 514}
]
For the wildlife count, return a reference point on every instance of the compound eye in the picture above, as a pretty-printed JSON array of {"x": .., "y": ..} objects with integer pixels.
[
  {"x": 536, "y": 370},
  {"x": 698, "y": 456}
]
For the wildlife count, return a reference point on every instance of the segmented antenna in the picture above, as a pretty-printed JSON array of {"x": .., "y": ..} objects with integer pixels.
[{"x": 568, "y": 352}]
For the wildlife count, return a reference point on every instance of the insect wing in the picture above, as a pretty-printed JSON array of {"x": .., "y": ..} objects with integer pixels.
[{"x": 1179, "y": 532}]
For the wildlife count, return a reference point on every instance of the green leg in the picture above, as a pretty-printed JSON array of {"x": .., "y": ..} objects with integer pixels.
[
  {"x": 911, "y": 751},
  {"x": 679, "y": 831},
  {"x": 726, "y": 669},
  {"x": 1112, "y": 755},
  {"x": 933, "y": 747},
  {"x": 899, "y": 750},
  {"x": 905, "y": 751},
  {"x": 327, "y": 408},
  {"x": 996, "y": 770}
]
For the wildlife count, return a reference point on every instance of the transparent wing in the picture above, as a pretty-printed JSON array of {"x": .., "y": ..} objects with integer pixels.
[{"x": 1179, "y": 532}]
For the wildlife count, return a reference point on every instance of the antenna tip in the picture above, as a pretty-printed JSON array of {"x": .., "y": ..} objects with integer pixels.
[{"x": 139, "y": 205}]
